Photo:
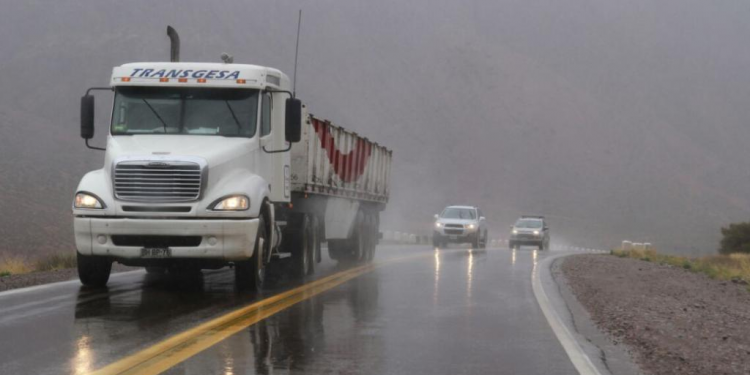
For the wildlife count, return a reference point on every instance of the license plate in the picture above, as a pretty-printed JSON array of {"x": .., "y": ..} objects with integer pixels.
[
  {"x": 156, "y": 252},
  {"x": 453, "y": 237}
]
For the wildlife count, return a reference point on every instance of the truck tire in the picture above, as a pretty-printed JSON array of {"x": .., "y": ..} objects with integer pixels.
[
  {"x": 251, "y": 274},
  {"x": 372, "y": 237},
  {"x": 351, "y": 249},
  {"x": 298, "y": 243},
  {"x": 93, "y": 271},
  {"x": 484, "y": 241},
  {"x": 317, "y": 238}
]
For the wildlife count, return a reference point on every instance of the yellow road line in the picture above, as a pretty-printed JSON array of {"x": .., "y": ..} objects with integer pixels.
[{"x": 178, "y": 348}]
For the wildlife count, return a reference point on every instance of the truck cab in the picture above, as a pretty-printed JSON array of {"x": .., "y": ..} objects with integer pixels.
[{"x": 195, "y": 164}]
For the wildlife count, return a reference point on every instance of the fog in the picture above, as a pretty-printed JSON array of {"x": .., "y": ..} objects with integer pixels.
[{"x": 617, "y": 120}]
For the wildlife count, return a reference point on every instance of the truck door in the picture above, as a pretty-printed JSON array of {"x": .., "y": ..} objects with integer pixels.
[
  {"x": 274, "y": 166},
  {"x": 265, "y": 166}
]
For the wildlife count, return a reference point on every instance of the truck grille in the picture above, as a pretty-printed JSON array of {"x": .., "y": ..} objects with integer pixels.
[
  {"x": 454, "y": 231},
  {"x": 173, "y": 181}
]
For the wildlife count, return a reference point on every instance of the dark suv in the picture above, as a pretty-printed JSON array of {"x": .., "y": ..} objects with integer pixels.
[{"x": 529, "y": 231}]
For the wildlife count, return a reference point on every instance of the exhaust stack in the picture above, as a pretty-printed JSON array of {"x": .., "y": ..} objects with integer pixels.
[{"x": 174, "y": 48}]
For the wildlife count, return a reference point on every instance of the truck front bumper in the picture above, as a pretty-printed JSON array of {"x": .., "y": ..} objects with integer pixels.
[{"x": 208, "y": 239}]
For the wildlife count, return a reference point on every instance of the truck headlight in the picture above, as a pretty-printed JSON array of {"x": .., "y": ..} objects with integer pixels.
[
  {"x": 232, "y": 203},
  {"x": 536, "y": 232},
  {"x": 438, "y": 225},
  {"x": 515, "y": 231},
  {"x": 85, "y": 200},
  {"x": 471, "y": 226}
]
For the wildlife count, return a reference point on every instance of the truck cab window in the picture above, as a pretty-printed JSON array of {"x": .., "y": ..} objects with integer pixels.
[
  {"x": 185, "y": 111},
  {"x": 265, "y": 115}
]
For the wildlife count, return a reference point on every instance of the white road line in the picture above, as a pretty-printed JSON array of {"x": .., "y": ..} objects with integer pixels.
[
  {"x": 576, "y": 354},
  {"x": 35, "y": 288}
]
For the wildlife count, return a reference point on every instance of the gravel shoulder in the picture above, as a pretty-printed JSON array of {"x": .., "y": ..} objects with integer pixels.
[
  {"x": 47, "y": 277},
  {"x": 671, "y": 320}
]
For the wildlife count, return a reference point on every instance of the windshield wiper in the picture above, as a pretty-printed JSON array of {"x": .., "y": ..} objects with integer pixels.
[
  {"x": 236, "y": 121},
  {"x": 156, "y": 114}
]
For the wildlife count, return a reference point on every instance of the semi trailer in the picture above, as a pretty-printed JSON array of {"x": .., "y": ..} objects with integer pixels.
[{"x": 208, "y": 165}]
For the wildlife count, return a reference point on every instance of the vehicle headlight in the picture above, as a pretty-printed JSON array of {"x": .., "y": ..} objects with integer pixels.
[
  {"x": 90, "y": 201},
  {"x": 536, "y": 232},
  {"x": 438, "y": 225},
  {"x": 471, "y": 226},
  {"x": 515, "y": 231},
  {"x": 233, "y": 203}
]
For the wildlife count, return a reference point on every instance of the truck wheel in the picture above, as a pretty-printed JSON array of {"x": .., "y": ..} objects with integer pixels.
[
  {"x": 93, "y": 270},
  {"x": 359, "y": 242},
  {"x": 317, "y": 240},
  {"x": 250, "y": 274},
  {"x": 299, "y": 245},
  {"x": 435, "y": 241},
  {"x": 372, "y": 237}
]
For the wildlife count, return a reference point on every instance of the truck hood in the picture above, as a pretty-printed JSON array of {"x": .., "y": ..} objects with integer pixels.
[{"x": 215, "y": 150}]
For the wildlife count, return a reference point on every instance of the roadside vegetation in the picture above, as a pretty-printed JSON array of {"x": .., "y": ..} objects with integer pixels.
[
  {"x": 731, "y": 267},
  {"x": 16, "y": 265},
  {"x": 735, "y": 239}
]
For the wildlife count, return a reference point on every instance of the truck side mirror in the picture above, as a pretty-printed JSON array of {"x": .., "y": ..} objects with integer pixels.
[
  {"x": 437, "y": 216},
  {"x": 87, "y": 117},
  {"x": 293, "y": 120}
]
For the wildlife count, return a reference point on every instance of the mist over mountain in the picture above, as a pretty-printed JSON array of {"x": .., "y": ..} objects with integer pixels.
[{"x": 617, "y": 120}]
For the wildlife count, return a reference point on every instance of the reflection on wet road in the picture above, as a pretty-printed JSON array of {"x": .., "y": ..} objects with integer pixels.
[{"x": 442, "y": 311}]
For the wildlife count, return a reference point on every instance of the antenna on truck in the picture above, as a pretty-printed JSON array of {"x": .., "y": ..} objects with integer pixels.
[
  {"x": 296, "y": 53},
  {"x": 174, "y": 41}
]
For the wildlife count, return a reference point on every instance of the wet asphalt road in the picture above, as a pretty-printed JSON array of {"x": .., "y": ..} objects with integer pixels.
[{"x": 447, "y": 311}]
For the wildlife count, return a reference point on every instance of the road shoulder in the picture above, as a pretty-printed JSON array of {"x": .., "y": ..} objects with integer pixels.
[
  {"x": 609, "y": 356},
  {"x": 673, "y": 320}
]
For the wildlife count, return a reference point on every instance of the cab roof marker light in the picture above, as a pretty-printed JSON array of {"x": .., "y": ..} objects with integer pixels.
[
  {"x": 163, "y": 79},
  {"x": 241, "y": 81},
  {"x": 201, "y": 80},
  {"x": 125, "y": 79},
  {"x": 182, "y": 80}
]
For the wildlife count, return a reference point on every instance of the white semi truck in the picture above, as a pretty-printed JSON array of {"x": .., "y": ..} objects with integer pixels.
[{"x": 215, "y": 164}]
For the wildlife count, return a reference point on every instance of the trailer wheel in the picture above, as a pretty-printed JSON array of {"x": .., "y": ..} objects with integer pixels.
[
  {"x": 251, "y": 274},
  {"x": 370, "y": 238},
  {"x": 317, "y": 239},
  {"x": 374, "y": 235},
  {"x": 352, "y": 249},
  {"x": 92, "y": 270}
]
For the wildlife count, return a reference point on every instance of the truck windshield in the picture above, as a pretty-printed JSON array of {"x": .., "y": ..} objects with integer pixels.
[{"x": 195, "y": 111}]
